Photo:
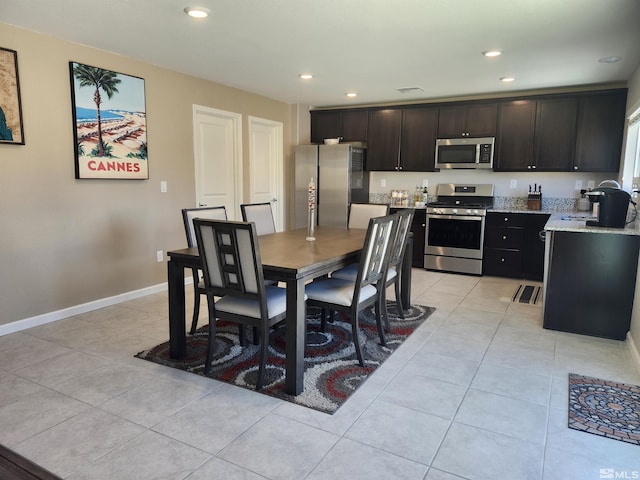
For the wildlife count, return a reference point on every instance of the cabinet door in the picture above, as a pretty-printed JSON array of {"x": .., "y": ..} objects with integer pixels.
[
  {"x": 600, "y": 126},
  {"x": 533, "y": 260},
  {"x": 383, "y": 144},
  {"x": 516, "y": 122},
  {"x": 418, "y": 227},
  {"x": 468, "y": 121},
  {"x": 326, "y": 124},
  {"x": 354, "y": 125},
  {"x": 418, "y": 142},
  {"x": 555, "y": 135},
  {"x": 482, "y": 120}
]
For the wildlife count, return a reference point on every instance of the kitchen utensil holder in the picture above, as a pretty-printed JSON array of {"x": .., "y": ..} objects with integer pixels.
[{"x": 534, "y": 201}]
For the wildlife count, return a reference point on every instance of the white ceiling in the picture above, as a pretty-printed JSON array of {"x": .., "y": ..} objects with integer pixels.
[{"x": 372, "y": 47}]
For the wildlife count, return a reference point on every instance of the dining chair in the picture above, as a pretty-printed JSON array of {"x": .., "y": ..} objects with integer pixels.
[
  {"x": 233, "y": 272},
  {"x": 394, "y": 271},
  {"x": 188, "y": 214},
  {"x": 351, "y": 297},
  {"x": 261, "y": 214},
  {"x": 360, "y": 213}
]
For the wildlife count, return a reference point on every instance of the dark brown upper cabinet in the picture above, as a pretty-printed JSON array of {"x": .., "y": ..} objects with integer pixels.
[
  {"x": 514, "y": 138},
  {"x": 555, "y": 134},
  {"x": 383, "y": 144},
  {"x": 468, "y": 121},
  {"x": 418, "y": 139},
  {"x": 601, "y": 119},
  {"x": 402, "y": 140},
  {"x": 351, "y": 125}
]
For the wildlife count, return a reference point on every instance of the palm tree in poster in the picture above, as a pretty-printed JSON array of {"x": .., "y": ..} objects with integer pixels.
[{"x": 100, "y": 79}]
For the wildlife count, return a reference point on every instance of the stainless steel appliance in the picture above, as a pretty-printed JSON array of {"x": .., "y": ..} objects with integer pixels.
[
  {"x": 464, "y": 152},
  {"x": 341, "y": 179},
  {"x": 455, "y": 227}
]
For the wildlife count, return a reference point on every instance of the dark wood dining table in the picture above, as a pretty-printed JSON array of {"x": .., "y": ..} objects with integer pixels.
[{"x": 286, "y": 257}]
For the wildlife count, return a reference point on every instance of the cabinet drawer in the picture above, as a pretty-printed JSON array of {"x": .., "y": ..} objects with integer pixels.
[
  {"x": 502, "y": 263},
  {"x": 504, "y": 237},
  {"x": 506, "y": 219}
]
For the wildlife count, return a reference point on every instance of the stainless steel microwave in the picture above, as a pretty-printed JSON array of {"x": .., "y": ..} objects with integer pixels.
[{"x": 464, "y": 152}]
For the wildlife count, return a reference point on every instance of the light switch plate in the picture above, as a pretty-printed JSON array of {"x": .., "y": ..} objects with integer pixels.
[
  {"x": 578, "y": 184},
  {"x": 159, "y": 256},
  {"x": 383, "y": 182},
  {"x": 591, "y": 184},
  {"x": 425, "y": 182},
  {"x": 163, "y": 186},
  {"x": 514, "y": 183}
]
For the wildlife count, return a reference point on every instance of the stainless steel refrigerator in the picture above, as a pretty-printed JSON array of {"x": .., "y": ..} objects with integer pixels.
[{"x": 340, "y": 177}]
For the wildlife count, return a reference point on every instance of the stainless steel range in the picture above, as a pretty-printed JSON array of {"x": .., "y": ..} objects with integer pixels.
[{"x": 455, "y": 227}]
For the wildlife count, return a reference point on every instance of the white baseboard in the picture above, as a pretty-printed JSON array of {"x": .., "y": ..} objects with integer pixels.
[
  {"x": 634, "y": 348},
  {"x": 78, "y": 309}
]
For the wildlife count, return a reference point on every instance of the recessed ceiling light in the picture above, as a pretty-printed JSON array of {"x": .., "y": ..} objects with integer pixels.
[
  {"x": 197, "y": 12},
  {"x": 351, "y": 94},
  {"x": 507, "y": 79},
  {"x": 492, "y": 53},
  {"x": 306, "y": 76},
  {"x": 612, "y": 59}
]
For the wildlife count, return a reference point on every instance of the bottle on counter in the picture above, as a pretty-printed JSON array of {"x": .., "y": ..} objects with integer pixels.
[
  {"x": 417, "y": 196},
  {"x": 425, "y": 195}
]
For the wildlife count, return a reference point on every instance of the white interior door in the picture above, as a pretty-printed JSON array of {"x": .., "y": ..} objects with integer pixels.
[
  {"x": 218, "y": 159},
  {"x": 266, "y": 165}
]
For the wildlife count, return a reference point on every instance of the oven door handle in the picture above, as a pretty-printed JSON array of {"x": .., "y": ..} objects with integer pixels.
[{"x": 455, "y": 217}]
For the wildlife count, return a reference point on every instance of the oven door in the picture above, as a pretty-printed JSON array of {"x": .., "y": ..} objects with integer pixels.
[{"x": 455, "y": 235}]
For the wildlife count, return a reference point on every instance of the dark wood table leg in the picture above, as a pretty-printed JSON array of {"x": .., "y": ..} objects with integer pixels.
[
  {"x": 405, "y": 279},
  {"x": 296, "y": 328},
  {"x": 177, "y": 329}
]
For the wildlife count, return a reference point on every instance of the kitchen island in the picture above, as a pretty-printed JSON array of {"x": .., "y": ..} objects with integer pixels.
[{"x": 590, "y": 276}]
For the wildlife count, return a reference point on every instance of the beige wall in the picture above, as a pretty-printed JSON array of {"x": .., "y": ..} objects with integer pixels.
[{"x": 66, "y": 242}]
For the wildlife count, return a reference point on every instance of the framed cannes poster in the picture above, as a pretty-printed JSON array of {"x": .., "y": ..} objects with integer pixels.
[
  {"x": 10, "y": 108},
  {"x": 109, "y": 124}
]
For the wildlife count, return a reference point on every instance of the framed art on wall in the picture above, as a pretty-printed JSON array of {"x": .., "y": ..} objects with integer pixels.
[
  {"x": 11, "y": 130},
  {"x": 110, "y": 124}
]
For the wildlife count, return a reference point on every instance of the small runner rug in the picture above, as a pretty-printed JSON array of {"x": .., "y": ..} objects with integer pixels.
[
  {"x": 332, "y": 372},
  {"x": 604, "y": 408},
  {"x": 527, "y": 294}
]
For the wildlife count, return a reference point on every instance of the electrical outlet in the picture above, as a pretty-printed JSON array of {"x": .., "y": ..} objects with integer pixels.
[
  {"x": 591, "y": 184},
  {"x": 159, "y": 256},
  {"x": 383, "y": 182},
  {"x": 578, "y": 184},
  {"x": 163, "y": 186},
  {"x": 514, "y": 183},
  {"x": 425, "y": 182}
]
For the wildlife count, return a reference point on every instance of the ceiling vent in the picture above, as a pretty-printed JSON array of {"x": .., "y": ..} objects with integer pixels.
[{"x": 410, "y": 89}]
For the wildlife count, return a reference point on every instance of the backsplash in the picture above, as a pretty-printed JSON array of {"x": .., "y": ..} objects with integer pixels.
[{"x": 549, "y": 204}]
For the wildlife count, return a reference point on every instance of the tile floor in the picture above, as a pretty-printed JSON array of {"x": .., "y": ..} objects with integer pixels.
[{"x": 479, "y": 391}]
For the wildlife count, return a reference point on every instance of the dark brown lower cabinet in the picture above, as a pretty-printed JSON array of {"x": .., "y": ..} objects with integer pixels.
[
  {"x": 590, "y": 284},
  {"x": 512, "y": 245}
]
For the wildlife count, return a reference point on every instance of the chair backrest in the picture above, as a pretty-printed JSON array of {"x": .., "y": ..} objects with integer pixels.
[
  {"x": 260, "y": 214},
  {"x": 376, "y": 252},
  {"x": 405, "y": 217},
  {"x": 361, "y": 213},
  {"x": 231, "y": 258},
  {"x": 188, "y": 214}
]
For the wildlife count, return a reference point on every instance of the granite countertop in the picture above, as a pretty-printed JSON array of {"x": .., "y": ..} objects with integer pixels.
[{"x": 573, "y": 224}]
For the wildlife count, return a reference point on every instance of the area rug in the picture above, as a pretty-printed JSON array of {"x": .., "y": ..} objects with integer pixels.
[
  {"x": 527, "y": 294},
  {"x": 604, "y": 408},
  {"x": 332, "y": 372}
]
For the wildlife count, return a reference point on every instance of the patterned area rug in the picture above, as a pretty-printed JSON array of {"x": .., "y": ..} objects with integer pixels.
[
  {"x": 524, "y": 293},
  {"x": 604, "y": 408},
  {"x": 332, "y": 372}
]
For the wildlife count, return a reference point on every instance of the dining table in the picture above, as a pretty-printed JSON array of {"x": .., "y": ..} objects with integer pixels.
[{"x": 290, "y": 258}]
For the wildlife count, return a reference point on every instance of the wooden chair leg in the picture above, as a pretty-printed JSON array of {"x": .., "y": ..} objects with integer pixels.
[
  {"x": 381, "y": 309},
  {"x": 356, "y": 338},
  {"x": 212, "y": 338},
  {"x": 263, "y": 357},
  {"x": 196, "y": 302},
  {"x": 399, "y": 297}
]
